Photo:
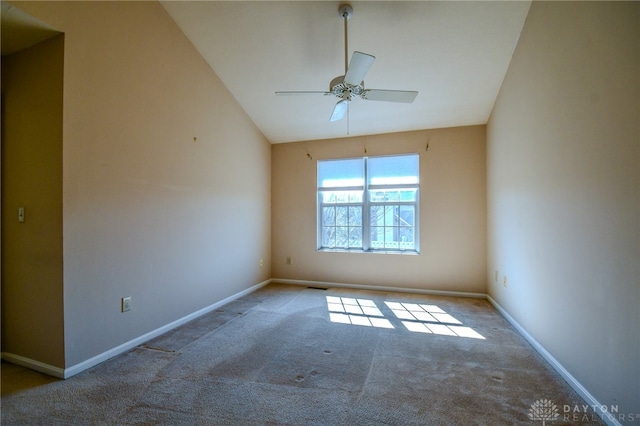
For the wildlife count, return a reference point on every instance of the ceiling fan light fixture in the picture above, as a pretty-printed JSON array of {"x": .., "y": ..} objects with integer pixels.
[
  {"x": 340, "y": 109},
  {"x": 352, "y": 82}
]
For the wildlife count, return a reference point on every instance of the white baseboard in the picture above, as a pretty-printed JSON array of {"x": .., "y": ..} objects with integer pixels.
[
  {"x": 33, "y": 365},
  {"x": 78, "y": 368},
  {"x": 91, "y": 362},
  {"x": 572, "y": 381},
  {"x": 379, "y": 288}
]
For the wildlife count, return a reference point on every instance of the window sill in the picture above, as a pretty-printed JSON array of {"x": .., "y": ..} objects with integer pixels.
[{"x": 399, "y": 252}]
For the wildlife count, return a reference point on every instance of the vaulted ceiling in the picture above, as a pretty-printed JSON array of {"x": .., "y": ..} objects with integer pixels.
[
  {"x": 20, "y": 30},
  {"x": 455, "y": 54}
]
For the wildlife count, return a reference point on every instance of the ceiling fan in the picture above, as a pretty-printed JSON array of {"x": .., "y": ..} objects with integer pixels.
[{"x": 351, "y": 83}]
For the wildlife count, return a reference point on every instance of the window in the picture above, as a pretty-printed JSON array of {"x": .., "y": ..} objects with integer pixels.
[{"x": 369, "y": 203}]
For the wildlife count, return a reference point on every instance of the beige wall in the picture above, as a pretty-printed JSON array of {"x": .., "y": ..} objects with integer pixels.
[
  {"x": 176, "y": 223},
  {"x": 179, "y": 224},
  {"x": 452, "y": 213},
  {"x": 563, "y": 163},
  {"x": 32, "y": 309}
]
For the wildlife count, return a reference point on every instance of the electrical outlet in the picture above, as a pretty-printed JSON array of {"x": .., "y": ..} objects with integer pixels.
[
  {"x": 288, "y": 260},
  {"x": 261, "y": 263},
  {"x": 504, "y": 281},
  {"x": 125, "y": 304}
]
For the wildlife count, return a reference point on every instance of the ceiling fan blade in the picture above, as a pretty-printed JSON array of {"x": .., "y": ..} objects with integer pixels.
[
  {"x": 358, "y": 67},
  {"x": 301, "y": 93},
  {"x": 339, "y": 110},
  {"x": 389, "y": 95}
]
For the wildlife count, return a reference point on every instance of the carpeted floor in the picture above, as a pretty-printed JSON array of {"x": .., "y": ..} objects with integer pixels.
[{"x": 294, "y": 355}]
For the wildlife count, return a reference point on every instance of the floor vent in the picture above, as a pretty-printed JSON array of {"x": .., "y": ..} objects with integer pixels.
[{"x": 318, "y": 288}]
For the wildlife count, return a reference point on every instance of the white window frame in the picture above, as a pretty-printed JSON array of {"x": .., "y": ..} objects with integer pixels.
[{"x": 366, "y": 204}]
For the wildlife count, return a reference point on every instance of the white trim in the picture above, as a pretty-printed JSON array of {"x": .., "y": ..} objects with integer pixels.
[
  {"x": 78, "y": 368},
  {"x": 380, "y": 288},
  {"x": 33, "y": 364},
  {"x": 367, "y": 203},
  {"x": 573, "y": 382},
  {"x": 92, "y": 362}
]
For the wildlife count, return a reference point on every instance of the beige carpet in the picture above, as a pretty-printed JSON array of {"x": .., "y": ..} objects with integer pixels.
[{"x": 299, "y": 356}]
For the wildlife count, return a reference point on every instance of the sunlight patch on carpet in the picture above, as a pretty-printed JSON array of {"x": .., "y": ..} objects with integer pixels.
[
  {"x": 417, "y": 318},
  {"x": 421, "y": 318},
  {"x": 347, "y": 310}
]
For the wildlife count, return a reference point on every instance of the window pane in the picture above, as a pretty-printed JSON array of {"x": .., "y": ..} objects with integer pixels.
[
  {"x": 377, "y": 237},
  {"x": 408, "y": 195},
  {"x": 341, "y": 173},
  {"x": 355, "y": 237},
  {"x": 382, "y": 195},
  {"x": 342, "y": 217},
  {"x": 392, "y": 241},
  {"x": 407, "y": 215},
  {"x": 341, "y": 197},
  {"x": 407, "y": 238},
  {"x": 328, "y": 216},
  {"x": 391, "y": 202},
  {"x": 391, "y": 195},
  {"x": 355, "y": 196},
  {"x": 394, "y": 170},
  {"x": 377, "y": 196},
  {"x": 377, "y": 216},
  {"x": 342, "y": 236},
  {"x": 328, "y": 237},
  {"x": 331, "y": 197},
  {"x": 355, "y": 216},
  {"x": 392, "y": 227},
  {"x": 391, "y": 216}
]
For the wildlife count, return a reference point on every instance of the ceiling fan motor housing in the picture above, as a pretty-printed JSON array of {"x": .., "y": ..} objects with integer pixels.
[
  {"x": 340, "y": 88},
  {"x": 352, "y": 82}
]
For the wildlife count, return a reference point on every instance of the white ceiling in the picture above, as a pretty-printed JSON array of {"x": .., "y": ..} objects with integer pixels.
[
  {"x": 20, "y": 30},
  {"x": 454, "y": 53}
]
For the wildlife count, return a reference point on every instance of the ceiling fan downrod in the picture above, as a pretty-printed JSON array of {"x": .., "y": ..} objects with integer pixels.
[
  {"x": 346, "y": 12},
  {"x": 351, "y": 84}
]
